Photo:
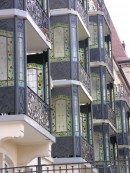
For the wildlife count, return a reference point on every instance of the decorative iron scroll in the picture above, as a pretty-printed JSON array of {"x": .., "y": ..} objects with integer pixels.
[
  {"x": 85, "y": 79},
  {"x": 83, "y": 14},
  {"x": 111, "y": 116},
  {"x": 38, "y": 15},
  {"x": 87, "y": 151},
  {"x": 121, "y": 93},
  {"x": 38, "y": 110}
]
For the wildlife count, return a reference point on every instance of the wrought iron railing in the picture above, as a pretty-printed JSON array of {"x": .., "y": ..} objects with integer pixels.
[
  {"x": 87, "y": 151},
  {"x": 121, "y": 93},
  {"x": 121, "y": 166},
  {"x": 96, "y": 5},
  {"x": 111, "y": 116},
  {"x": 108, "y": 61},
  {"x": 85, "y": 79},
  {"x": 82, "y": 12},
  {"x": 38, "y": 15},
  {"x": 38, "y": 110}
]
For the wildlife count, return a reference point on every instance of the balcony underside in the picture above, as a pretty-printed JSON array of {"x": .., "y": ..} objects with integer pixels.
[
  {"x": 98, "y": 122},
  {"x": 37, "y": 40},
  {"x": 85, "y": 97},
  {"x": 23, "y": 130}
]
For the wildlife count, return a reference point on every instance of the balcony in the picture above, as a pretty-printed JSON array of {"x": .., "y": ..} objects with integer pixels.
[
  {"x": 37, "y": 22},
  {"x": 85, "y": 79},
  {"x": 82, "y": 12},
  {"x": 73, "y": 7},
  {"x": 111, "y": 116},
  {"x": 96, "y": 6},
  {"x": 109, "y": 62},
  {"x": 85, "y": 90},
  {"x": 38, "y": 15},
  {"x": 38, "y": 110},
  {"x": 104, "y": 166},
  {"x": 37, "y": 27},
  {"x": 122, "y": 94},
  {"x": 87, "y": 151}
]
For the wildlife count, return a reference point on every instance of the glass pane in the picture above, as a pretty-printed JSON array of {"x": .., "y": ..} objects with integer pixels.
[
  {"x": 3, "y": 58},
  {"x": 74, "y": 42},
  {"x": 96, "y": 88},
  {"x": 32, "y": 79},
  {"x": 59, "y": 42},
  {"x": 101, "y": 36},
  {"x": 61, "y": 125},
  {"x": 94, "y": 35},
  {"x": 21, "y": 59}
]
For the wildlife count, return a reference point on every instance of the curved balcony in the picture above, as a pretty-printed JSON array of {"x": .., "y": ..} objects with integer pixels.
[
  {"x": 95, "y": 6},
  {"x": 38, "y": 110}
]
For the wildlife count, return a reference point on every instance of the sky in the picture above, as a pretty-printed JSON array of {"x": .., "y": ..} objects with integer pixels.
[{"x": 120, "y": 14}]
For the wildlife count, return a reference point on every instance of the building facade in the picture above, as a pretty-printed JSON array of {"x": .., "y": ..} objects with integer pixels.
[
  {"x": 70, "y": 72},
  {"x": 64, "y": 88},
  {"x": 24, "y": 84}
]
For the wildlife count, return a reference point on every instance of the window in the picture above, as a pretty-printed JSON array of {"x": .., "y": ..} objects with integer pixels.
[
  {"x": 35, "y": 78},
  {"x": 101, "y": 35},
  {"x": 124, "y": 120},
  {"x": 118, "y": 119},
  {"x": 74, "y": 42},
  {"x": 96, "y": 89},
  {"x": 59, "y": 42},
  {"x": 6, "y": 59},
  {"x": 85, "y": 123},
  {"x": 93, "y": 35},
  {"x": 61, "y": 116},
  {"x": 76, "y": 114},
  {"x": 21, "y": 58},
  {"x": 61, "y": 125}
]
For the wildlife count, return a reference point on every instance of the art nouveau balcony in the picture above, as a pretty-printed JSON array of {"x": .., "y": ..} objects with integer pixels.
[
  {"x": 122, "y": 94},
  {"x": 37, "y": 22},
  {"x": 96, "y": 7},
  {"x": 108, "y": 118},
  {"x": 25, "y": 137},
  {"x": 83, "y": 83},
  {"x": 73, "y": 7}
]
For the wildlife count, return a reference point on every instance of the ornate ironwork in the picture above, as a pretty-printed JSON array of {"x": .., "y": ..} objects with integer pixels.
[
  {"x": 38, "y": 15},
  {"x": 87, "y": 151},
  {"x": 118, "y": 166},
  {"x": 85, "y": 79},
  {"x": 83, "y": 14},
  {"x": 111, "y": 116},
  {"x": 38, "y": 110},
  {"x": 108, "y": 61},
  {"x": 121, "y": 93},
  {"x": 99, "y": 5}
]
